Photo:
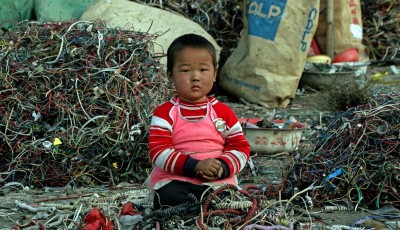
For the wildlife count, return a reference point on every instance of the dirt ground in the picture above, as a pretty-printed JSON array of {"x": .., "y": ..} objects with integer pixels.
[{"x": 10, "y": 214}]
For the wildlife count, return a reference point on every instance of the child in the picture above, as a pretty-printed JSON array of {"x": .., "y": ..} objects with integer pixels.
[{"x": 195, "y": 141}]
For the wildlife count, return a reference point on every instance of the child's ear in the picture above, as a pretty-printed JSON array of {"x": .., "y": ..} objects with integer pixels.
[
  {"x": 169, "y": 75},
  {"x": 215, "y": 76}
]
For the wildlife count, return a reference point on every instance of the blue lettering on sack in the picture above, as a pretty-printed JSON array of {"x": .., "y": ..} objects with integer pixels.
[
  {"x": 243, "y": 83},
  {"x": 264, "y": 17},
  {"x": 312, "y": 15}
]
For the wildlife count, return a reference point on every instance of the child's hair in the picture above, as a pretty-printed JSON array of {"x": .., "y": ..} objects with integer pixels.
[{"x": 189, "y": 40}]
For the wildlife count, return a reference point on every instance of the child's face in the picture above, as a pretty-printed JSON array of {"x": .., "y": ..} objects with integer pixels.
[{"x": 193, "y": 74}]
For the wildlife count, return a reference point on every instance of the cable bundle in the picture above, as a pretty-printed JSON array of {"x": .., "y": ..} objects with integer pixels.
[
  {"x": 357, "y": 156},
  {"x": 76, "y": 100}
]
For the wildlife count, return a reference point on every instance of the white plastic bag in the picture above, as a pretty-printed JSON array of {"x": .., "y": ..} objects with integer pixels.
[{"x": 143, "y": 18}]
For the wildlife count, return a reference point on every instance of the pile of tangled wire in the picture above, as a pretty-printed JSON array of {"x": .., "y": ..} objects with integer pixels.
[
  {"x": 76, "y": 100},
  {"x": 356, "y": 158},
  {"x": 222, "y": 19},
  {"x": 381, "y": 28}
]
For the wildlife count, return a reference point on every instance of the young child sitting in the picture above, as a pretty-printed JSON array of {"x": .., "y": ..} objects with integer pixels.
[{"x": 195, "y": 141}]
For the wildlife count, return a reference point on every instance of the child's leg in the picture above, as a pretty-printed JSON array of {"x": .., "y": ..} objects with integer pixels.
[{"x": 175, "y": 193}]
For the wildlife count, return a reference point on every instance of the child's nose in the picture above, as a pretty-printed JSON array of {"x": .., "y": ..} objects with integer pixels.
[{"x": 195, "y": 76}]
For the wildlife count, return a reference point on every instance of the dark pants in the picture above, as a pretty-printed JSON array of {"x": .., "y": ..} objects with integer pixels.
[{"x": 176, "y": 192}]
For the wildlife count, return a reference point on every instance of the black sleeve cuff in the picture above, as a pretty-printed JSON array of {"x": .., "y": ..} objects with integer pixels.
[
  {"x": 188, "y": 168},
  {"x": 225, "y": 167}
]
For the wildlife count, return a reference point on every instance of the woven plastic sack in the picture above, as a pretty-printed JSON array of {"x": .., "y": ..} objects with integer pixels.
[
  {"x": 59, "y": 10},
  {"x": 347, "y": 27},
  {"x": 266, "y": 66},
  {"x": 12, "y": 10},
  {"x": 143, "y": 18}
]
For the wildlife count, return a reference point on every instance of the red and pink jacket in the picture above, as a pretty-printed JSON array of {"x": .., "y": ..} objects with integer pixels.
[{"x": 204, "y": 130}]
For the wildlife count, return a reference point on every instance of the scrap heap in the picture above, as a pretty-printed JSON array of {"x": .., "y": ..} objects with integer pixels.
[
  {"x": 356, "y": 160},
  {"x": 76, "y": 101},
  {"x": 381, "y": 29}
]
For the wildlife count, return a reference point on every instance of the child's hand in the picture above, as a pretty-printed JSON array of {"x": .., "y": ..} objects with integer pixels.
[
  {"x": 209, "y": 168},
  {"x": 212, "y": 178}
]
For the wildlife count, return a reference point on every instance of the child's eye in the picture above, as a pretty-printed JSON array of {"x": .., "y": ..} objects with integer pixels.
[{"x": 203, "y": 70}]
